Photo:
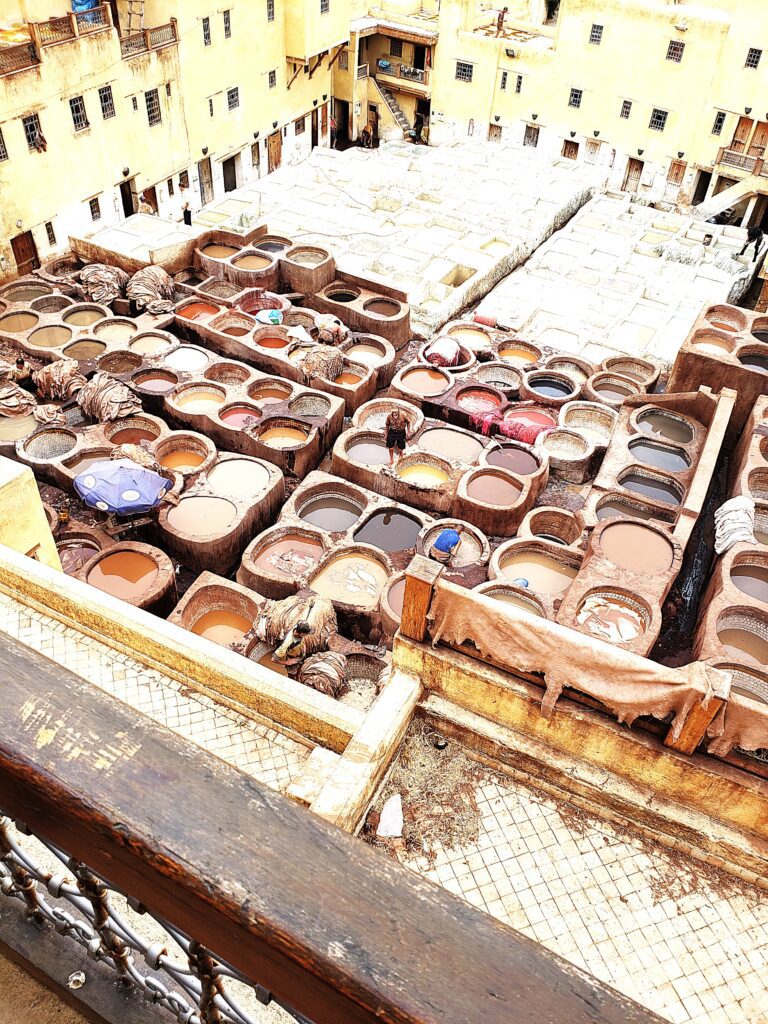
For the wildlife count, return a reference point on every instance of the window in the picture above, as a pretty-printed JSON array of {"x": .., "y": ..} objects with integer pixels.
[
  {"x": 206, "y": 31},
  {"x": 3, "y": 150},
  {"x": 32, "y": 131},
  {"x": 79, "y": 116},
  {"x": 299, "y": 125},
  {"x": 154, "y": 113},
  {"x": 717, "y": 127},
  {"x": 676, "y": 172},
  {"x": 227, "y": 24},
  {"x": 658, "y": 120},
  {"x": 626, "y": 109},
  {"x": 575, "y": 98},
  {"x": 184, "y": 179},
  {"x": 171, "y": 189},
  {"x": 210, "y": 106},
  {"x": 570, "y": 150},
  {"x": 504, "y": 77},
  {"x": 463, "y": 71},
  {"x": 519, "y": 84},
  {"x": 270, "y": 10},
  {"x": 50, "y": 233},
  {"x": 325, "y": 6},
  {"x": 168, "y": 89},
  {"x": 753, "y": 57},
  {"x": 596, "y": 35},
  {"x": 95, "y": 208},
  {"x": 233, "y": 98},
  {"x": 135, "y": 102},
  {"x": 675, "y": 50},
  {"x": 107, "y": 101},
  {"x": 531, "y": 137},
  {"x": 272, "y": 79},
  {"x": 344, "y": 60},
  {"x": 396, "y": 47}
]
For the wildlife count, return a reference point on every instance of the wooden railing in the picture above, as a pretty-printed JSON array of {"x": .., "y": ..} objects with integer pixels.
[
  {"x": 731, "y": 158},
  {"x": 71, "y": 26},
  {"x": 16, "y": 58},
  {"x": 149, "y": 39},
  {"x": 331, "y": 928},
  {"x": 419, "y": 76}
]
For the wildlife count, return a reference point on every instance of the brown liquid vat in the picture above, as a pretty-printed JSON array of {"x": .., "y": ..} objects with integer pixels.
[
  {"x": 186, "y": 453},
  {"x": 218, "y": 610},
  {"x": 555, "y": 525},
  {"x": 352, "y": 576},
  {"x": 515, "y": 597},
  {"x": 549, "y": 569},
  {"x": 280, "y": 559},
  {"x": 139, "y": 574},
  {"x": 482, "y": 493}
]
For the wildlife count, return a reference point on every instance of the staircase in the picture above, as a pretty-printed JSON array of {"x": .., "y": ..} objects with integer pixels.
[
  {"x": 752, "y": 185},
  {"x": 394, "y": 107},
  {"x": 135, "y": 16}
]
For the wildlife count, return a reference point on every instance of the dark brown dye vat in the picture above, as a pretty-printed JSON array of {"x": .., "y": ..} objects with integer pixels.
[
  {"x": 369, "y": 453},
  {"x": 651, "y": 488},
  {"x": 235, "y": 332},
  {"x": 671, "y": 459},
  {"x": 342, "y": 296},
  {"x": 514, "y": 459},
  {"x": 390, "y": 531},
  {"x": 754, "y": 362},
  {"x": 614, "y": 507},
  {"x": 760, "y": 335},
  {"x": 132, "y": 435},
  {"x": 550, "y": 387},
  {"x": 331, "y": 512},
  {"x": 273, "y": 246},
  {"x": 382, "y": 307},
  {"x": 752, "y": 580}
]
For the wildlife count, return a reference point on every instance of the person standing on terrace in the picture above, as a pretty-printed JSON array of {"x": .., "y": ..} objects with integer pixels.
[
  {"x": 397, "y": 435},
  {"x": 500, "y": 21}
]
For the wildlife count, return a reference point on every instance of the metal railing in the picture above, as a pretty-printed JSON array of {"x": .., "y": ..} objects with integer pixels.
[
  {"x": 405, "y": 71},
  {"x": 93, "y": 20},
  {"x": 362, "y": 70},
  {"x": 56, "y": 30},
  {"x": 16, "y": 58},
  {"x": 149, "y": 39}
]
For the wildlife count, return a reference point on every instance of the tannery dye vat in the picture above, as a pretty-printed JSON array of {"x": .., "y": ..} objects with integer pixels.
[
  {"x": 115, "y": 330},
  {"x": 150, "y": 345},
  {"x": 182, "y": 460},
  {"x": 188, "y": 360},
  {"x": 132, "y": 435},
  {"x": 423, "y": 474},
  {"x": 17, "y": 323},
  {"x": 651, "y": 487},
  {"x": 516, "y": 460},
  {"x": 220, "y": 252},
  {"x": 240, "y": 416},
  {"x": 382, "y": 307},
  {"x": 754, "y": 361},
  {"x": 238, "y": 478},
  {"x": 221, "y": 626},
  {"x": 347, "y": 377},
  {"x": 83, "y": 317},
  {"x": 202, "y": 516},
  {"x": 530, "y": 417},
  {"x": 671, "y": 428},
  {"x": 198, "y": 310},
  {"x": 674, "y": 460},
  {"x": 284, "y": 436},
  {"x": 370, "y": 355},
  {"x": 75, "y": 553},
  {"x": 369, "y": 453},
  {"x": 292, "y": 555},
  {"x": 351, "y": 578},
  {"x": 156, "y": 381},
  {"x": 751, "y": 580},
  {"x": 450, "y": 444},
  {"x": 270, "y": 394},
  {"x": 200, "y": 400},
  {"x": 611, "y": 617},
  {"x": 542, "y": 573},
  {"x": 333, "y": 512},
  {"x": 125, "y": 574},
  {"x": 518, "y": 356},
  {"x": 85, "y": 349},
  {"x": 252, "y": 261},
  {"x": 637, "y": 548},
  {"x": 549, "y": 387},
  {"x": 389, "y": 531},
  {"x": 426, "y": 382},
  {"x": 13, "y": 428},
  {"x": 493, "y": 489},
  {"x": 477, "y": 401},
  {"x": 739, "y": 641},
  {"x": 616, "y": 507},
  {"x": 50, "y": 337},
  {"x": 712, "y": 344}
]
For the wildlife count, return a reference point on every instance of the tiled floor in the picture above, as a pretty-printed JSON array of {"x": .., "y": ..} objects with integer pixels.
[
  {"x": 690, "y": 946},
  {"x": 256, "y": 750}
]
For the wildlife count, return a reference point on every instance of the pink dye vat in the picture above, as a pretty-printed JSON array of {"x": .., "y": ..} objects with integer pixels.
[
  {"x": 530, "y": 417},
  {"x": 477, "y": 401},
  {"x": 240, "y": 417}
]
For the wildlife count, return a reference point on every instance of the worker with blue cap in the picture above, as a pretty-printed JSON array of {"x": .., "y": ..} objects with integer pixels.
[{"x": 446, "y": 545}]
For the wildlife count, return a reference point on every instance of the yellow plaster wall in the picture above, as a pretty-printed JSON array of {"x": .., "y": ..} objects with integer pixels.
[{"x": 23, "y": 522}]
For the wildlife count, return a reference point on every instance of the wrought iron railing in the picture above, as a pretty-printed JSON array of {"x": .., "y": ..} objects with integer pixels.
[
  {"x": 405, "y": 71},
  {"x": 362, "y": 70},
  {"x": 93, "y": 20},
  {"x": 148, "y": 39},
  {"x": 56, "y": 30},
  {"x": 16, "y": 58}
]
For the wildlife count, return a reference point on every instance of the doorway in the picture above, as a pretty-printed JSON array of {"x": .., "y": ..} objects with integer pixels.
[
  {"x": 128, "y": 197},
  {"x": 25, "y": 253},
  {"x": 494, "y": 133},
  {"x": 633, "y": 175},
  {"x": 702, "y": 187},
  {"x": 206, "y": 180},
  {"x": 314, "y": 129},
  {"x": 274, "y": 151},
  {"x": 341, "y": 112},
  {"x": 229, "y": 168},
  {"x": 420, "y": 57},
  {"x": 324, "y": 121},
  {"x": 373, "y": 121},
  {"x": 150, "y": 195},
  {"x": 256, "y": 160},
  {"x": 115, "y": 15}
]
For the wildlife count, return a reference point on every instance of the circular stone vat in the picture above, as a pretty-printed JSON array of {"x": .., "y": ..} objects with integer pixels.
[
  {"x": 270, "y": 392},
  {"x": 199, "y": 399},
  {"x": 530, "y": 418},
  {"x": 382, "y": 307},
  {"x": 513, "y": 596},
  {"x": 186, "y": 360},
  {"x": 238, "y": 417},
  {"x": 18, "y": 323},
  {"x": 596, "y": 422},
  {"x": 52, "y": 304},
  {"x": 712, "y": 344},
  {"x": 760, "y": 329},
  {"x": 271, "y": 341},
  {"x": 159, "y": 382},
  {"x": 516, "y": 458},
  {"x": 389, "y": 530},
  {"x": 747, "y": 684},
  {"x": 292, "y": 554},
  {"x": 652, "y": 486},
  {"x": 577, "y": 369},
  {"x": 50, "y": 337},
  {"x": 283, "y": 434},
  {"x": 548, "y": 386},
  {"x": 637, "y": 548},
  {"x": 130, "y": 575},
  {"x": 641, "y": 370},
  {"x": 201, "y": 516},
  {"x": 518, "y": 353},
  {"x": 198, "y": 310},
  {"x": 333, "y": 512},
  {"x": 75, "y": 551},
  {"x": 83, "y": 316},
  {"x": 425, "y": 380},
  {"x": 231, "y": 374},
  {"x": 749, "y": 574},
  {"x": 118, "y": 364},
  {"x": 253, "y": 261},
  {"x": 393, "y": 595},
  {"x": 612, "y": 616},
  {"x": 273, "y": 243},
  {"x": 726, "y": 318},
  {"x": 664, "y": 425},
  {"x": 750, "y": 357},
  {"x": 565, "y": 445},
  {"x": 27, "y": 292},
  {"x": 351, "y": 376},
  {"x": 423, "y": 471},
  {"x": 498, "y": 375},
  {"x": 220, "y": 252},
  {"x": 613, "y": 506},
  {"x": 555, "y": 525},
  {"x": 133, "y": 430},
  {"x": 493, "y": 487},
  {"x": 373, "y": 415},
  {"x": 86, "y": 459},
  {"x": 543, "y": 572},
  {"x": 369, "y": 353},
  {"x": 311, "y": 404},
  {"x": 14, "y": 428},
  {"x": 673, "y": 460},
  {"x": 744, "y": 634},
  {"x": 471, "y": 551},
  {"x": 478, "y": 401},
  {"x": 51, "y": 443},
  {"x": 367, "y": 450},
  {"x": 307, "y": 255},
  {"x": 84, "y": 349},
  {"x": 150, "y": 344},
  {"x": 342, "y": 293},
  {"x": 469, "y": 335},
  {"x": 221, "y": 625},
  {"x": 239, "y": 479},
  {"x": 115, "y": 330},
  {"x": 352, "y": 577},
  {"x": 182, "y": 453},
  {"x": 454, "y": 445},
  {"x": 612, "y": 388}
]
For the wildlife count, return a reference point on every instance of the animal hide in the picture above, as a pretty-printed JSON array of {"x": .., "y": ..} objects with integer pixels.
[
  {"x": 102, "y": 284},
  {"x": 325, "y": 672},
  {"x": 105, "y": 399},
  {"x": 61, "y": 380},
  {"x": 152, "y": 289}
]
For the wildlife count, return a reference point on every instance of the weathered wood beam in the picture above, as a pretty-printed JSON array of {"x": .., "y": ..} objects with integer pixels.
[{"x": 420, "y": 579}]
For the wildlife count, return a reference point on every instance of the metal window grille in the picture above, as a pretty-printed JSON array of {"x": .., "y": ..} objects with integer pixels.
[
  {"x": 717, "y": 127},
  {"x": 626, "y": 109},
  {"x": 107, "y": 101},
  {"x": 233, "y": 98},
  {"x": 658, "y": 120},
  {"x": 531, "y": 137},
  {"x": 3, "y": 148},
  {"x": 210, "y": 106},
  {"x": 79, "y": 116},
  {"x": 270, "y": 10},
  {"x": 32, "y": 130},
  {"x": 574, "y": 99},
  {"x": 504, "y": 77},
  {"x": 753, "y": 57},
  {"x": 570, "y": 150},
  {"x": 135, "y": 103},
  {"x": 50, "y": 233},
  {"x": 272, "y": 79},
  {"x": 675, "y": 50},
  {"x": 519, "y": 84},
  {"x": 171, "y": 189},
  {"x": 168, "y": 89},
  {"x": 396, "y": 47},
  {"x": 344, "y": 60},
  {"x": 154, "y": 113},
  {"x": 300, "y": 125},
  {"x": 325, "y": 6},
  {"x": 596, "y": 35},
  {"x": 95, "y": 208},
  {"x": 463, "y": 71},
  {"x": 227, "y": 24},
  {"x": 184, "y": 179},
  {"x": 206, "y": 31}
]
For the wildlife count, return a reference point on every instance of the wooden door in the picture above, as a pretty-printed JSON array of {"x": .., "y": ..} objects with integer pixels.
[
  {"x": 759, "y": 140},
  {"x": 128, "y": 196},
  {"x": 274, "y": 150},
  {"x": 25, "y": 253},
  {"x": 206, "y": 180},
  {"x": 323, "y": 120},
  {"x": 531, "y": 137},
  {"x": 676, "y": 173},
  {"x": 150, "y": 194},
  {"x": 373, "y": 120},
  {"x": 633, "y": 175},
  {"x": 742, "y": 133},
  {"x": 494, "y": 133},
  {"x": 570, "y": 150}
]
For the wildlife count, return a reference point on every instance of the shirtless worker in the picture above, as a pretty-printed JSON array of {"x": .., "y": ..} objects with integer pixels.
[
  {"x": 500, "y": 21},
  {"x": 397, "y": 434}
]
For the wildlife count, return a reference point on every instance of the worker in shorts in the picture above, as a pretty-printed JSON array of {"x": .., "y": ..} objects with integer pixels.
[
  {"x": 446, "y": 545},
  {"x": 396, "y": 435}
]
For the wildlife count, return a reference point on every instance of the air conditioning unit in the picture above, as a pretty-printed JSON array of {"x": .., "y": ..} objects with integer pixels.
[{"x": 511, "y": 53}]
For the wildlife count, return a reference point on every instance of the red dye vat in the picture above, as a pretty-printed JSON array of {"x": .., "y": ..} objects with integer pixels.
[
  {"x": 272, "y": 342},
  {"x": 477, "y": 401},
  {"x": 197, "y": 310},
  {"x": 530, "y": 418},
  {"x": 239, "y": 417}
]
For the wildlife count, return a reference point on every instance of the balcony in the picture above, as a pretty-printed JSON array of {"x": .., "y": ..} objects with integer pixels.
[
  {"x": 149, "y": 39},
  {"x": 71, "y": 26},
  {"x": 18, "y": 58},
  {"x": 403, "y": 77}
]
